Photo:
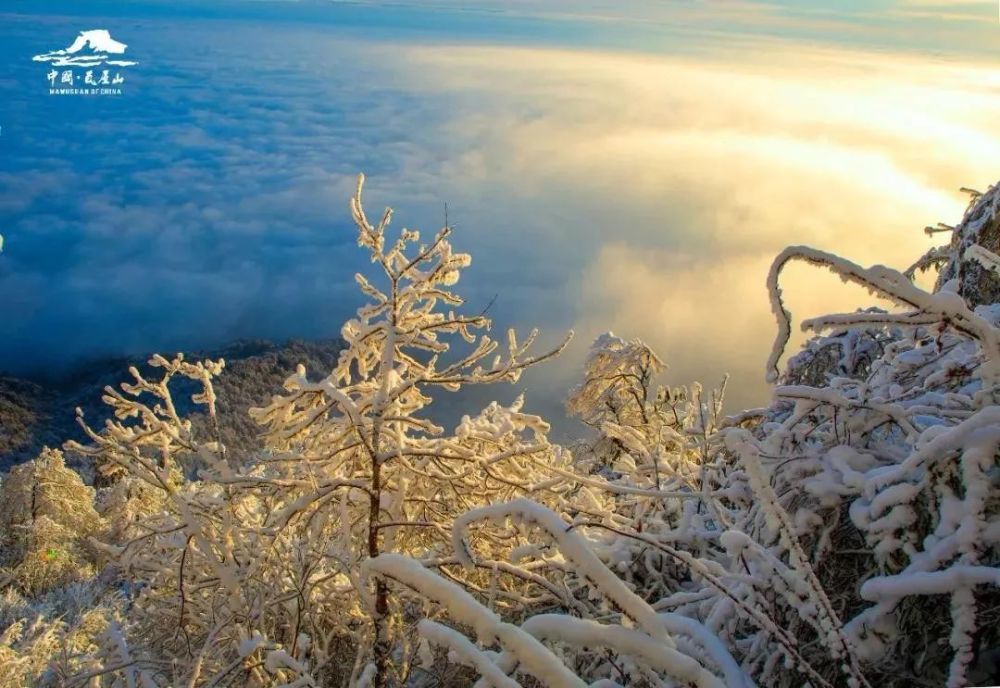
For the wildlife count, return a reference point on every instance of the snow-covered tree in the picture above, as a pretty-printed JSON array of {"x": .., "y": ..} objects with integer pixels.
[{"x": 361, "y": 439}]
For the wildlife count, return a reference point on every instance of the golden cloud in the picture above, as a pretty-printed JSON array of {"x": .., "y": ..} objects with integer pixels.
[{"x": 690, "y": 172}]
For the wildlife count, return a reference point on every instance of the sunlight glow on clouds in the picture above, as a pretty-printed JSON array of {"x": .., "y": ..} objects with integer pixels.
[{"x": 690, "y": 175}]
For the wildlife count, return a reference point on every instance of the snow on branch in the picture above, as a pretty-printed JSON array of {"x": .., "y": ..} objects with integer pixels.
[
  {"x": 466, "y": 652},
  {"x": 945, "y": 307},
  {"x": 464, "y": 608},
  {"x": 741, "y": 443},
  {"x": 624, "y": 641},
  {"x": 572, "y": 546}
]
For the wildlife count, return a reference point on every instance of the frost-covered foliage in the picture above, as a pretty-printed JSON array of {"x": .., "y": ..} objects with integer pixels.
[
  {"x": 970, "y": 257},
  {"x": 357, "y": 467},
  {"x": 254, "y": 563},
  {"x": 653, "y": 434},
  {"x": 639, "y": 646},
  {"x": 46, "y": 515},
  {"x": 848, "y": 534},
  {"x": 895, "y": 456},
  {"x": 653, "y": 445},
  {"x": 52, "y": 608},
  {"x": 51, "y": 639}
]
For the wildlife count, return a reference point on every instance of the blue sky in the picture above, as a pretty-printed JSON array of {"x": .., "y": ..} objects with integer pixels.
[{"x": 608, "y": 165}]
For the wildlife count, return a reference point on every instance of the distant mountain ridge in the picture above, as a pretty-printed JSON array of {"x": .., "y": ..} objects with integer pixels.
[{"x": 41, "y": 412}]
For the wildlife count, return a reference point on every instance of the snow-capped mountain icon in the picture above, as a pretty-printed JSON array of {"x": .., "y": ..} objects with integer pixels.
[{"x": 90, "y": 49}]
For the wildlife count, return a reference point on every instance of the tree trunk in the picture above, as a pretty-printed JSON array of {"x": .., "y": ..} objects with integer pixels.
[{"x": 381, "y": 647}]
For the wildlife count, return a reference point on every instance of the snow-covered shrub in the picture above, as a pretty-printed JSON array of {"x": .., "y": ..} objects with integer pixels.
[
  {"x": 166, "y": 529},
  {"x": 49, "y": 639},
  {"x": 653, "y": 446},
  {"x": 26, "y": 650},
  {"x": 680, "y": 502},
  {"x": 871, "y": 479},
  {"x": 253, "y": 570},
  {"x": 631, "y": 645},
  {"x": 875, "y": 486},
  {"x": 643, "y": 430},
  {"x": 46, "y": 516}
]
